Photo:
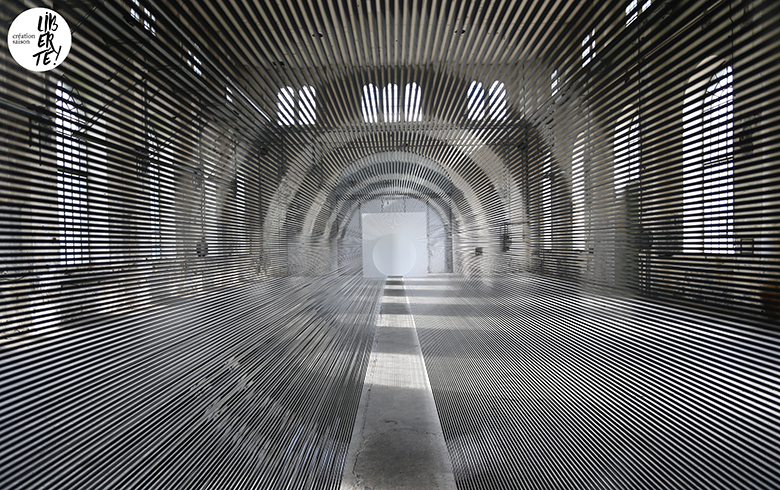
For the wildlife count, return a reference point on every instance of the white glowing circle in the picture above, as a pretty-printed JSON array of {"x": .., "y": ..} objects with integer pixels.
[{"x": 394, "y": 255}]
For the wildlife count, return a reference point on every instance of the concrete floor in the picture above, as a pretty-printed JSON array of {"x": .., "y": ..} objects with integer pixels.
[
  {"x": 397, "y": 442},
  {"x": 537, "y": 384}
]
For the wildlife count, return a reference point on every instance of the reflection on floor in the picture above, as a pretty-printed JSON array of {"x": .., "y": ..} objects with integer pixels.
[
  {"x": 397, "y": 441},
  {"x": 541, "y": 386}
]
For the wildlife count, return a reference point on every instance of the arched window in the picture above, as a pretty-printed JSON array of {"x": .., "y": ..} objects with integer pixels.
[
  {"x": 370, "y": 103},
  {"x": 632, "y": 12},
  {"x": 240, "y": 197},
  {"x": 627, "y": 150},
  {"x": 476, "y": 101},
  {"x": 241, "y": 215},
  {"x": 554, "y": 82},
  {"x": 390, "y": 106},
  {"x": 308, "y": 105},
  {"x": 194, "y": 63},
  {"x": 285, "y": 106},
  {"x": 72, "y": 179},
  {"x": 547, "y": 231},
  {"x": 497, "y": 101},
  {"x": 589, "y": 48},
  {"x": 412, "y": 102},
  {"x": 708, "y": 165},
  {"x": 578, "y": 192},
  {"x": 142, "y": 14},
  {"x": 153, "y": 174}
]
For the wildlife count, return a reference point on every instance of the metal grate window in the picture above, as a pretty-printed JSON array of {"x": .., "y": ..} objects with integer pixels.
[
  {"x": 627, "y": 150},
  {"x": 708, "y": 192},
  {"x": 370, "y": 103},
  {"x": 72, "y": 179},
  {"x": 413, "y": 102},
  {"x": 141, "y": 14},
  {"x": 390, "y": 104},
  {"x": 588, "y": 48},
  {"x": 578, "y": 193},
  {"x": 476, "y": 101},
  {"x": 497, "y": 101}
]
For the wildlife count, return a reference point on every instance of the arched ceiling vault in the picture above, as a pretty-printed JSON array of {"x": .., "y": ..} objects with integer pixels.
[
  {"x": 380, "y": 186},
  {"x": 394, "y": 172},
  {"x": 341, "y": 49},
  {"x": 317, "y": 202}
]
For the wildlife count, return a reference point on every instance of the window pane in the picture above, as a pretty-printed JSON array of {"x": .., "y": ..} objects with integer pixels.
[
  {"x": 390, "y": 103},
  {"x": 154, "y": 195},
  {"x": 627, "y": 152},
  {"x": 308, "y": 105},
  {"x": 547, "y": 203},
  {"x": 72, "y": 189},
  {"x": 476, "y": 101},
  {"x": 285, "y": 109},
  {"x": 589, "y": 48},
  {"x": 708, "y": 168},
  {"x": 631, "y": 12},
  {"x": 578, "y": 193},
  {"x": 497, "y": 102},
  {"x": 412, "y": 99},
  {"x": 369, "y": 103}
]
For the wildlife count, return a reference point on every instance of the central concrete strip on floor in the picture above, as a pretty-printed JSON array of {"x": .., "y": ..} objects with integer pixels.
[{"x": 397, "y": 441}]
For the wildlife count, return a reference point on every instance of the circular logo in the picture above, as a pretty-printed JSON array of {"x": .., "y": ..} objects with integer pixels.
[{"x": 39, "y": 39}]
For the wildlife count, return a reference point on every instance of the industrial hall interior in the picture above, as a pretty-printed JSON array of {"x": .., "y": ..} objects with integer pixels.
[{"x": 386, "y": 244}]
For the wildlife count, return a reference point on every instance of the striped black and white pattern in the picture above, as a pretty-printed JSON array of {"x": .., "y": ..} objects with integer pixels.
[{"x": 181, "y": 298}]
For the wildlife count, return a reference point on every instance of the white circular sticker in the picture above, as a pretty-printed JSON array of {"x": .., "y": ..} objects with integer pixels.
[{"x": 39, "y": 39}]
